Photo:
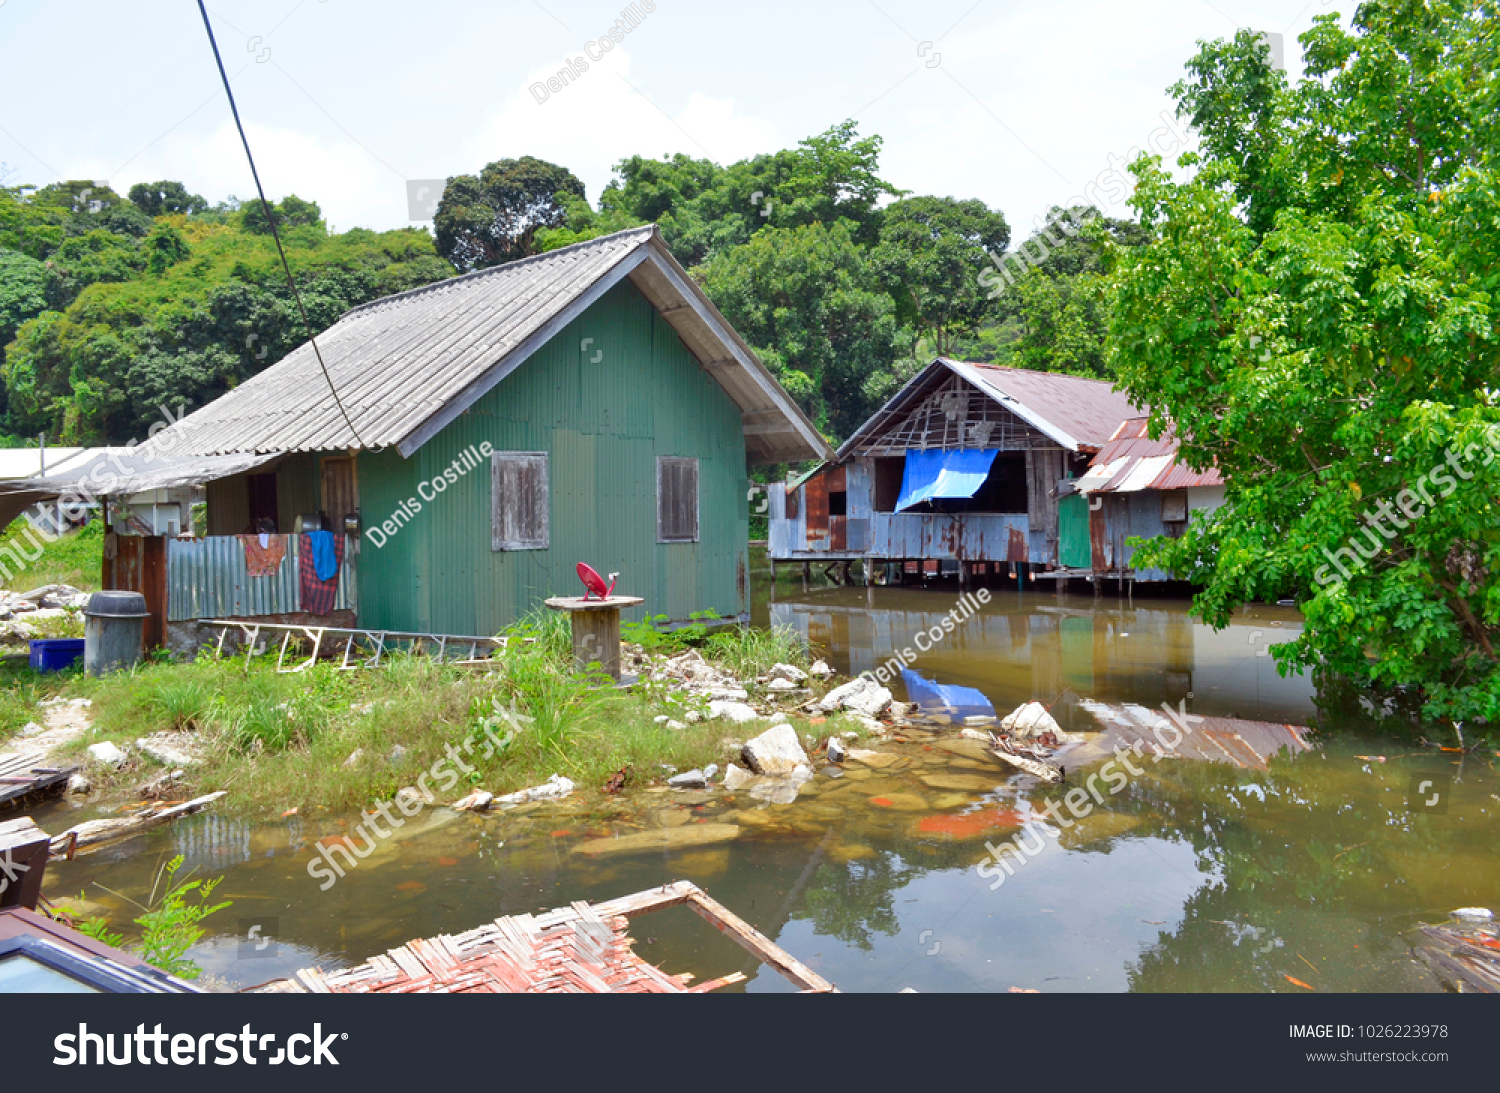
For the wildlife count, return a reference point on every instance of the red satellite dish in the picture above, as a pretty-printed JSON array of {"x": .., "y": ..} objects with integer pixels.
[{"x": 593, "y": 583}]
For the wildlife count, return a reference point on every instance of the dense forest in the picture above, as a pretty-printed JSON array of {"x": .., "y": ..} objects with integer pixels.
[{"x": 113, "y": 307}]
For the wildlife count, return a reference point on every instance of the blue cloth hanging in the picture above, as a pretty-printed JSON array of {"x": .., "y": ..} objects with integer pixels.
[{"x": 325, "y": 560}]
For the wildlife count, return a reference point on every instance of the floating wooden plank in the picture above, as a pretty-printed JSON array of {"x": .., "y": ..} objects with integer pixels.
[{"x": 95, "y": 833}]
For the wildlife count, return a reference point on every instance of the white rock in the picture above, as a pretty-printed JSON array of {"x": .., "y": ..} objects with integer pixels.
[
  {"x": 692, "y": 779},
  {"x": 477, "y": 801},
  {"x": 553, "y": 789},
  {"x": 675, "y": 726},
  {"x": 778, "y": 718},
  {"x": 820, "y": 670},
  {"x": 79, "y": 784},
  {"x": 781, "y": 790},
  {"x": 837, "y": 753},
  {"x": 735, "y": 777},
  {"x": 692, "y": 717},
  {"x": 775, "y": 751},
  {"x": 1030, "y": 720},
  {"x": 31, "y": 728},
  {"x": 661, "y": 719},
  {"x": 781, "y": 685},
  {"x": 105, "y": 752},
  {"x": 354, "y": 757},
  {"x": 860, "y": 695},
  {"x": 80, "y": 703},
  {"x": 789, "y": 672},
  {"x": 165, "y": 753},
  {"x": 737, "y": 712},
  {"x": 728, "y": 694}
]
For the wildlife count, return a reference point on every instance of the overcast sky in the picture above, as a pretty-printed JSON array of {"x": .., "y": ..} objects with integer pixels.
[{"x": 1019, "y": 104}]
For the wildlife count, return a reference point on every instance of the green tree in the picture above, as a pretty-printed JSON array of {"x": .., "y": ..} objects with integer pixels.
[
  {"x": 291, "y": 212},
  {"x": 1314, "y": 314},
  {"x": 809, "y": 302},
  {"x": 494, "y": 218},
  {"x": 23, "y": 291},
  {"x": 1051, "y": 316},
  {"x": 165, "y": 197},
  {"x": 931, "y": 252}
]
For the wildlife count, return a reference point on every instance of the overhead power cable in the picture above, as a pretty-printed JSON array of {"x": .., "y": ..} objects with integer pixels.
[{"x": 276, "y": 235}]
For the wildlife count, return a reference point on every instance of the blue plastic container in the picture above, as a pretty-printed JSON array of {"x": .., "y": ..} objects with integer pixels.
[{"x": 55, "y": 654}]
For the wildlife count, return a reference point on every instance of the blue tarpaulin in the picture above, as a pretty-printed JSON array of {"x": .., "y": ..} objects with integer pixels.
[
  {"x": 943, "y": 472},
  {"x": 949, "y": 698}
]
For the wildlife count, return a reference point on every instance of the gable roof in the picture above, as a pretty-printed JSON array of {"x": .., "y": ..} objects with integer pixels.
[
  {"x": 1132, "y": 461},
  {"x": 1078, "y": 413},
  {"x": 405, "y": 366}
]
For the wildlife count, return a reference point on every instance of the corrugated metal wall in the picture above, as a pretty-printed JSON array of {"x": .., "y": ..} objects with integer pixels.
[
  {"x": 605, "y": 397},
  {"x": 207, "y": 579}
]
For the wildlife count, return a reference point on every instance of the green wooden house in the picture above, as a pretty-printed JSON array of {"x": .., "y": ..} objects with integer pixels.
[{"x": 488, "y": 433}]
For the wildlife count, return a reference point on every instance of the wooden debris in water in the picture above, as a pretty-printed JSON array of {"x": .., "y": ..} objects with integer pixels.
[
  {"x": 1026, "y": 761},
  {"x": 579, "y": 949},
  {"x": 95, "y": 833},
  {"x": 22, "y": 777},
  {"x": 1466, "y": 949}
]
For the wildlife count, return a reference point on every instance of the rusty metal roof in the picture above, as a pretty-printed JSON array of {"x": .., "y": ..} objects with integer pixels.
[
  {"x": 1080, "y": 414},
  {"x": 1132, "y": 461},
  {"x": 1067, "y": 408},
  {"x": 405, "y": 366}
]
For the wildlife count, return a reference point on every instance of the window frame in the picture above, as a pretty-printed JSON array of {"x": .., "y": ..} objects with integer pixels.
[
  {"x": 683, "y": 460},
  {"x": 541, "y": 460}
]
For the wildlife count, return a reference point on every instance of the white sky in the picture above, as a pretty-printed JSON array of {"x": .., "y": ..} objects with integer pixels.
[{"x": 1019, "y": 104}]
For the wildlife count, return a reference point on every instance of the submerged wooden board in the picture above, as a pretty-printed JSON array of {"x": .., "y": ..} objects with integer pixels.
[{"x": 581, "y": 948}]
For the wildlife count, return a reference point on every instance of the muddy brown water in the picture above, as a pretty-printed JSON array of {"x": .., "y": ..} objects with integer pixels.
[{"x": 1194, "y": 877}]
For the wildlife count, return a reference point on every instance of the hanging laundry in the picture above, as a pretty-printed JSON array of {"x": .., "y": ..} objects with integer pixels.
[
  {"x": 263, "y": 554},
  {"x": 320, "y": 553}
]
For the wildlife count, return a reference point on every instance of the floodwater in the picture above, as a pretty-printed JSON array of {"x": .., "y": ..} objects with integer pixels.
[{"x": 1193, "y": 877}]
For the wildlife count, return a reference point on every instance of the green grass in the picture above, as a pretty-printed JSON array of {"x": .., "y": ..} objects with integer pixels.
[
  {"x": 750, "y": 652},
  {"x": 75, "y": 559},
  {"x": 280, "y": 740},
  {"x": 277, "y": 740}
]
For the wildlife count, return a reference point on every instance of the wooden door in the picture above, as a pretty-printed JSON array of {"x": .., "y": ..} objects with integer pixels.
[{"x": 340, "y": 490}]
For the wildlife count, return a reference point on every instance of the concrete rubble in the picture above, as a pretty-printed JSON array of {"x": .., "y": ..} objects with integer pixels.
[
  {"x": 108, "y": 754},
  {"x": 860, "y": 695},
  {"x": 553, "y": 789},
  {"x": 169, "y": 749}
]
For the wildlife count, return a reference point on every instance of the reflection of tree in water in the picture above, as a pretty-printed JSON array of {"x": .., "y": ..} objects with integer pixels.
[
  {"x": 851, "y": 900},
  {"x": 1294, "y": 850}
]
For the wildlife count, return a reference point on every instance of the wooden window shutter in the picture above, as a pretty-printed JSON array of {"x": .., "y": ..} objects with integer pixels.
[
  {"x": 518, "y": 501},
  {"x": 676, "y": 500}
]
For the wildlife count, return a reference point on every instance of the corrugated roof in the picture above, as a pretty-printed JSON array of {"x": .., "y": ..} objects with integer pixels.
[
  {"x": 1078, "y": 413},
  {"x": 1075, "y": 411},
  {"x": 1132, "y": 461},
  {"x": 26, "y": 462},
  {"x": 405, "y": 366},
  {"x": 97, "y": 472}
]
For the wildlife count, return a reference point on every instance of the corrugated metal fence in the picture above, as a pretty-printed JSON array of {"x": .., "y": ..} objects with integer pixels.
[{"x": 207, "y": 579}]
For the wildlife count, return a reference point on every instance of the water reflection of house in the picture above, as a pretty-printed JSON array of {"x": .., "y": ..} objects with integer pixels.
[
  {"x": 1135, "y": 486},
  {"x": 966, "y": 465}
]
